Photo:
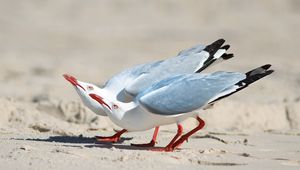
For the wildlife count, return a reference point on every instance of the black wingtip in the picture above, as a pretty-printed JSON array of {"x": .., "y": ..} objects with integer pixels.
[
  {"x": 269, "y": 72},
  {"x": 225, "y": 47},
  {"x": 251, "y": 77},
  {"x": 226, "y": 56},
  {"x": 221, "y": 40},
  {"x": 214, "y": 47},
  {"x": 266, "y": 66},
  {"x": 259, "y": 70},
  {"x": 257, "y": 74}
]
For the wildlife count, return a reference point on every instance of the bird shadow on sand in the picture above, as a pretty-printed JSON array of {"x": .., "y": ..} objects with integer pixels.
[
  {"x": 71, "y": 140},
  {"x": 91, "y": 142},
  {"x": 114, "y": 146},
  {"x": 88, "y": 142}
]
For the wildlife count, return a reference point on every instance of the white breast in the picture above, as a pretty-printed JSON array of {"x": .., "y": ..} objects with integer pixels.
[{"x": 139, "y": 119}]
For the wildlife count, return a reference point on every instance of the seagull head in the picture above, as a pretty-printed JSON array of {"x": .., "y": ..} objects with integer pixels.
[
  {"x": 111, "y": 106},
  {"x": 84, "y": 89},
  {"x": 101, "y": 101}
]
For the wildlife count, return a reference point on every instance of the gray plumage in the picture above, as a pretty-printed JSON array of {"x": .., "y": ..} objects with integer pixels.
[
  {"x": 185, "y": 93},
  {"x": 133, "y": 81}
]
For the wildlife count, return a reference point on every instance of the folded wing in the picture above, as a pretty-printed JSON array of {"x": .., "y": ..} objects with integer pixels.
[
  {"x": 189, "y": 61},
  {"x": 185, "y": 93}
]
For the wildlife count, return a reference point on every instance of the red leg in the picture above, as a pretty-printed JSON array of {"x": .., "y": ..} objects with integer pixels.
[
  {"x": 187, "y": 135},
  {"x": 114, "y": 138},
  {"x": 169, "y": 147},
  {"x": 152, "y": 142}
]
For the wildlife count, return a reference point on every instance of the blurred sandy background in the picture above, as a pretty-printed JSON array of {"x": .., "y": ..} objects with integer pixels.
[{"x": 93, "y": 40}]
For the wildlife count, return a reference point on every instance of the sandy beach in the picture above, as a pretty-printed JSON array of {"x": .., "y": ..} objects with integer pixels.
[{"x": 44, "y": 125}]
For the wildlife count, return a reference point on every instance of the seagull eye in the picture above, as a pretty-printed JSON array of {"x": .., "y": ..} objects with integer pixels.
[
  {"x": 115, "y": 106},
  {"x": 90, "y": 87}
]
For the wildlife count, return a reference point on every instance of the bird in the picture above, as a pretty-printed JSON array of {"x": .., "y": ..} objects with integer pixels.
[
  {"x": 126, "y": 85},
  {"x": 176, "y": 98}
]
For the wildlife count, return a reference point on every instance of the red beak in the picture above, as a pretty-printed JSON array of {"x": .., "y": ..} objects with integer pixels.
[
  {"x": 99, "y": 99},
  {"x": 72, "y": 80}
]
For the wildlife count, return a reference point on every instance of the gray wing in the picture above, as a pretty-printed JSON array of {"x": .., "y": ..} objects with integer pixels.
[
  {"x": 189, "y": 61},
  {"x": 119, "y": 81},
  {"x": 134, "y": 79},
  {"x": 186, "y": 93}
]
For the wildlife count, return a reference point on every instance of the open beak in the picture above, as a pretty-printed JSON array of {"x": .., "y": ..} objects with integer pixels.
[
  {"x": 99, "y": 99},
  {"x": 73, "y": 80}
]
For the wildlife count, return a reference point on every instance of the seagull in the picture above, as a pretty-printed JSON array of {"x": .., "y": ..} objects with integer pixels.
[
  {"x": 125, "y": 86},
  {"x": 175, "y": 99}
]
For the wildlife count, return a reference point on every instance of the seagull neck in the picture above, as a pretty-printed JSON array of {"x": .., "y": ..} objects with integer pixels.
[
  {"x": 112, "y": 98},
  {"x": 127, "y": 106}
]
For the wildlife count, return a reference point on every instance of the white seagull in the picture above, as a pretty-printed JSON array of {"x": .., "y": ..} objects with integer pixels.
[
  {"x": 174, "y": 99},
  {"x": 125, "y": 86}
]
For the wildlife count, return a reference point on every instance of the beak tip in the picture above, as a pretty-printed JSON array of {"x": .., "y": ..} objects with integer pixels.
[
  {"x": 65, "y": 75},
  {"x": 70, "y": 79}
]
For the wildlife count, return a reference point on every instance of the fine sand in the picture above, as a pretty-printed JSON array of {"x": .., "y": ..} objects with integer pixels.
[{"x": 44, "y": 125}]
